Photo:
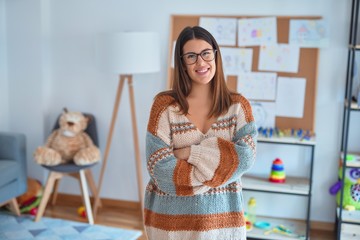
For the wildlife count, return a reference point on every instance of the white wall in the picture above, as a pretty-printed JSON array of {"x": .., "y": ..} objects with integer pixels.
[
  {"x": 4, "y": 97},
  {"x": 51, "y": 65}
]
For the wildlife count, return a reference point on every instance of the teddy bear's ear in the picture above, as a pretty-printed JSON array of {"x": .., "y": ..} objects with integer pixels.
[
  {"x": 65, "y": 110},
  {"x": 88, "y": 119}
]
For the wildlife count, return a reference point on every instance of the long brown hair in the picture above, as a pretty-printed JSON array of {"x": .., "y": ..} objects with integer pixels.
[{"x": 182, "y": 84}]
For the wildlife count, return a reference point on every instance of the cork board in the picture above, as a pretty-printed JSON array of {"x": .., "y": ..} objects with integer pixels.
[{"x": 307, "y": 65}]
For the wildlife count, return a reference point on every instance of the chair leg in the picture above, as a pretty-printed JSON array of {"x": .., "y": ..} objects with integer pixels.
[
  {"x": 55, "y": 192},
  {"x": 86, "y": 198},
  {"x": 15, "y": 206},
  {"x": 92, "y": 185},
  {"x": 46, "y": 194}
]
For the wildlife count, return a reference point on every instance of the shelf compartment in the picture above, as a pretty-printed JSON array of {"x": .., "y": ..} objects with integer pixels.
[
  {"x": 353, "y": 106},
  {"x": 355, "y": 162},
  {"x": 293, "y": 185},
  {"x": 350, "y": 216},
  {"x": 296, "y": 226},
  {"x": 286, "y": 140},
  {"x": 350, "y": 232}
]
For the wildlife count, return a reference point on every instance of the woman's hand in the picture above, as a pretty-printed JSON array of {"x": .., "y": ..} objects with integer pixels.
[{"x": 182, "y": 153}]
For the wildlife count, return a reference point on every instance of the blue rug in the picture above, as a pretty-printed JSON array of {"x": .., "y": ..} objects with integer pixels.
[{"x": 13, "y": 227}]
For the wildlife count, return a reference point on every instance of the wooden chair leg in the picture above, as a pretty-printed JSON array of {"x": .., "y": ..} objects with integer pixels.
[
  {"x": 53, "y": 176},
  {"x": 15, "y": 206},
  {"x": 85, "y": 194},
  {"x": 55, "y": 192}
]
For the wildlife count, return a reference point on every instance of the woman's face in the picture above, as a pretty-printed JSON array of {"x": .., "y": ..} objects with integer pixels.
[{"x": 201, "y": 72}]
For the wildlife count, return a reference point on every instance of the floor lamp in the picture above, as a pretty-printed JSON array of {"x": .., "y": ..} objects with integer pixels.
[{"x": 127, "y": 54}]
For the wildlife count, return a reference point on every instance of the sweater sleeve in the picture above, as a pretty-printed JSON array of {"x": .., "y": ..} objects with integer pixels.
[
  {"x": 217, "y": 161},
  {"x": 161, "y": 162}
]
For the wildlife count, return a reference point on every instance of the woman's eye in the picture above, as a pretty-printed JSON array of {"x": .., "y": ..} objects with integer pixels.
[
  {"x": 191, "y": 56},
  {"x": 205, "y": 53}
]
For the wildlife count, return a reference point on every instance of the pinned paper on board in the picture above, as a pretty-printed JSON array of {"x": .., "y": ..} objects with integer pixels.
[
  {"x": 279, "y": 57},
  {"x": 257, "y": 85},
  {"x": 264, "y": 113},
  {"x": 309, "y": 33},
  {"x": 290, "y": 97},
  {"x": 236, "y": 60},
  {"x": 223, "y": 29},
  {"x": 257, "y": 31}
]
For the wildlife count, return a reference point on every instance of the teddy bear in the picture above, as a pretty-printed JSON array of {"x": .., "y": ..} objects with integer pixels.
[{"x": 68, "y": 143}]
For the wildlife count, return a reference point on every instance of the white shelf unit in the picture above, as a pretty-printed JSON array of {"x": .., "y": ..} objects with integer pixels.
[
  {"x": 292, "y": 186},
  {"x": 348, "y": 222},
  {"x": 295, "y": 226}
]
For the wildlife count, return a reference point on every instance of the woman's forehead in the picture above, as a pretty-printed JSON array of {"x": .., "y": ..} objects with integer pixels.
[{"x": 196, "y": 45}]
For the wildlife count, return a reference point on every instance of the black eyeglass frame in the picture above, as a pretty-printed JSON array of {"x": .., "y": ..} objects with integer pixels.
[{"x": 199, "y": 54}]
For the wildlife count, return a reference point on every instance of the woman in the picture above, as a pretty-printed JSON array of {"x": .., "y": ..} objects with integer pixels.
[{"x": 201, "y": 139}]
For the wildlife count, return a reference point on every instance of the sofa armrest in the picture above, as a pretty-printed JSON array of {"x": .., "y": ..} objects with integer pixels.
[{"x": 13, "y": 147}]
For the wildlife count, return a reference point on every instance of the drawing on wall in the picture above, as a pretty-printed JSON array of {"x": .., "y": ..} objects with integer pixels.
[
  {"x": 236, "y": 60},
  {"x": 290, "y": 97},
  {"x": 257, "y": 85},
  {"x": 223, "y": 29},
  {"x": 257, "y": 31},
  {"x": 309, "y": 33},
  {"x": 264, "y": 113},
  {"x": 279, "y": 57}
]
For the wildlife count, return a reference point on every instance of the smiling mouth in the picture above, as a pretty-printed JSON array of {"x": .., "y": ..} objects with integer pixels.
[{"x": 204, "y": 70}]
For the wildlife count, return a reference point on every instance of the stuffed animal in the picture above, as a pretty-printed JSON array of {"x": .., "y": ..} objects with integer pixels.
[
  {"x": 351, "y": 198},
  {"x": 68, "y": 143},
  {"x": 30, "y": 200}
]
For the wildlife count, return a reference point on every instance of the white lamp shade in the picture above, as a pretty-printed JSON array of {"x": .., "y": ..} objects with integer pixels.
[{"x": 129, "y": 52}]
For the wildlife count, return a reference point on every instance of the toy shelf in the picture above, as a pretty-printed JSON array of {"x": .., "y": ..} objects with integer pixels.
[
  {"x": 293, "y": 185},
  {"x": 350, "y": 232},
  {"x": 350, "y": 216},
  {"x": 298, "y": 227},
  {"x": 353, "y": 163},
  {"x": 286, "y": 140}
]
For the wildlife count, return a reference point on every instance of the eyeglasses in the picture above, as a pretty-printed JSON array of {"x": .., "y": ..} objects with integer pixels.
[{"x": 191, "y": 58}]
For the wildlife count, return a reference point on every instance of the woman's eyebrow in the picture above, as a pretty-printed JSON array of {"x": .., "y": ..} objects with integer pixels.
[{"x": 200, "y": 51}]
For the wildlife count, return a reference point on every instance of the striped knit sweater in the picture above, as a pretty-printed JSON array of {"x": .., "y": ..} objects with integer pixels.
[{"x": 199, "y": 198}]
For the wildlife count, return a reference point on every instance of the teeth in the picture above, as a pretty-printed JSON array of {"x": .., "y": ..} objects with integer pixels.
[{"x": 202, "y": 70}]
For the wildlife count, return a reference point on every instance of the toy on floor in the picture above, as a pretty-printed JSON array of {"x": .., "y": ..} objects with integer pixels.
[
  {"x": 81, "y": 211},
  {"x": 30, "y": 200},
  {"x": 351, "y": 198},
  {"x": 277, "y": 174},
  {"x": 68, "y": 143}
]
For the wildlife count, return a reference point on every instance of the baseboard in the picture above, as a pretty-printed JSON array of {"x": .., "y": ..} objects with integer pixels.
[
  {"x": 76, "y": 200},
  {"x": 325, "y": 226}
]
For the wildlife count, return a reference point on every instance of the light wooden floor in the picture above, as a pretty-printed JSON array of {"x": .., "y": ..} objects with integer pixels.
[{"x": 123, "y": 216}]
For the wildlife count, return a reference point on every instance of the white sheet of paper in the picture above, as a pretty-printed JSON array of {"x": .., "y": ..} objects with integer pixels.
[
  {"x": 257, "y": 31},
  {"x": 279, "y": 57},
  {"x": 223, "y": 29},
  {"x": 290, "y": 97},
  {"x": 257, "y": 85},
  {"x": 309, "y": 33},
  {"x": 236, "y": 60},
  {"x": 264, "y": 113}
]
